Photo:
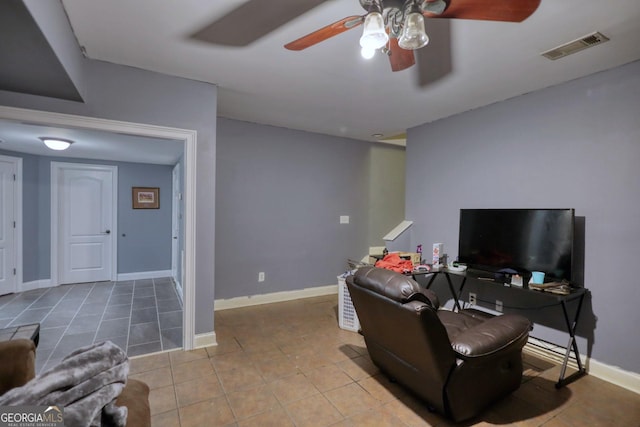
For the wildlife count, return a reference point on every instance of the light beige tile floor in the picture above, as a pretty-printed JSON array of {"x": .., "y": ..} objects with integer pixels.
[{"x": 289, "y": 364}]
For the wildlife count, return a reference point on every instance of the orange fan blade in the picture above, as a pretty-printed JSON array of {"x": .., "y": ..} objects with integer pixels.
[
  {"x": 400, "y": 58},
  {"x": 325, "y": 33},
  {"x": 489, "y": 10}
]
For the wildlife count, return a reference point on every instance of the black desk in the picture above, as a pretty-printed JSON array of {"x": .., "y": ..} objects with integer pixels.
[{"x": 577, "y": 294}]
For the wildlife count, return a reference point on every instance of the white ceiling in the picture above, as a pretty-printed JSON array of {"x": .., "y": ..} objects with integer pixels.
[
  {"x": 329, "y": 88},
  {"x": 89, "y": 144}
]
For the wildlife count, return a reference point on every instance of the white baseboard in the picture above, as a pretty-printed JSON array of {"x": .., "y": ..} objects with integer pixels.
[
  {"x": 611, "y": 374},
  {"x": 155, "y": 352},
  {"x": 144, "y": 275},
  {"x": 205, "y": 340},
  {"x": 614, "y": 375},
  {"x": 36, "y": 284},
  {"x": 46, "y": 283},
  {"x": 224, "y": 304},
  {"x": 178, "y": 290}
]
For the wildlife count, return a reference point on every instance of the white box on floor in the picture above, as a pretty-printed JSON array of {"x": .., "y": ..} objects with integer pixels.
[{"x": 347, "y": 316}]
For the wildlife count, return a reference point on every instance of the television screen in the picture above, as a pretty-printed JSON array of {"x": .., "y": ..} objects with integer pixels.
[{"x": 524, "y": 240}]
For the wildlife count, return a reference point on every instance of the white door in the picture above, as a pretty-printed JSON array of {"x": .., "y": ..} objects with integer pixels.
[
  {"x": 7, "y": 228},
  {"x": 86, "y": 222}
]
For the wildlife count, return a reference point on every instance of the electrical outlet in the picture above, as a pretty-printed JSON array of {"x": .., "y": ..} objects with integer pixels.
[
  {"x": 261, "y": 276},
  {"x": 344, "y": 219},
  {"x": 499, "y": 306},
  {"x": 472, "y": 298}
]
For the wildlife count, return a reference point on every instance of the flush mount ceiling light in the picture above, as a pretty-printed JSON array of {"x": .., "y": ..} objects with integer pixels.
[{"x": 56, "y": 143}]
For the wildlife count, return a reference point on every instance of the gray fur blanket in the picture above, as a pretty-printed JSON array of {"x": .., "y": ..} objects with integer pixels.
[{"x": 85, "y": 383}]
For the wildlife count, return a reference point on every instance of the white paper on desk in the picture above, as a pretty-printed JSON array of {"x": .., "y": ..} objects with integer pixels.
[{"x": 516, "y": 280}]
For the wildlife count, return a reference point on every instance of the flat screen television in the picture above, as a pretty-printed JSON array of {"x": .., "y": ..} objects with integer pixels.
[{"x": 523, "y": 240}]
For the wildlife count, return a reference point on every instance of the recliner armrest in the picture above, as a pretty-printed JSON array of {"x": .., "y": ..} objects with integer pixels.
[
  {"x": 426, "y": 296},
  {"x": 491, "y": 336},
  {"x": 17, "y": 363}
]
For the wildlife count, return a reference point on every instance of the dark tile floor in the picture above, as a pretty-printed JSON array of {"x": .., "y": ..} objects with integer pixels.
[{"x": 141, "y": 316}]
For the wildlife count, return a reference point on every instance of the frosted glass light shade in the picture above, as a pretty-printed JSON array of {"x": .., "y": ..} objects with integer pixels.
[
  {"x": 56, "y": 143},
  {"x": 373, "y": 36},
  {"x": 413, "y": 34},
  {"x": 367, "y": 53}
]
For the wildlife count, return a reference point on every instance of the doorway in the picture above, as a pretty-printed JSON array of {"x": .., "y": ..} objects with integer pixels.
[{"x": 187, "y": 137}]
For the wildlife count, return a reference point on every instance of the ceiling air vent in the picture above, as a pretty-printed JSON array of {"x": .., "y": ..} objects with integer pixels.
[{"x": 575, "y": 46}]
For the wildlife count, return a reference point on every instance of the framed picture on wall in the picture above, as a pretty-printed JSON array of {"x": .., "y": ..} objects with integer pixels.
[{"x": 146, "y": 197}]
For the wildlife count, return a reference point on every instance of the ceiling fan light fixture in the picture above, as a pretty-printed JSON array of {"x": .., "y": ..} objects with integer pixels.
[
  {"x": 413, "y": 34},
  {"x": 374, "y": 35},
  {"x": 57, "y": 144},
  {"x": 367, "y": 53}
]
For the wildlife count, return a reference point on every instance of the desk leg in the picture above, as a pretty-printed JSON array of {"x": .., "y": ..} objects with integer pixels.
[
  {"x": 456, "y": 302},
  {"x": 464, "y": 280},
  {"x": 431, "y": 279},
  {"x": 572, "y": 345}
]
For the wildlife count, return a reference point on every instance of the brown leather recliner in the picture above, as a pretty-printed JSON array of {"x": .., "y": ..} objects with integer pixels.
[{"x": 459, "y": 363}]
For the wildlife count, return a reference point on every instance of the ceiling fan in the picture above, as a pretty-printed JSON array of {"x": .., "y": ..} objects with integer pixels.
[{"x": 395, "y": 27}]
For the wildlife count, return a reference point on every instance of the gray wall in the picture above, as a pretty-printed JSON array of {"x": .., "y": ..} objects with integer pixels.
[
  {"x": 147, "y": 244},
  {"x": 144, "y": 235},
  {"x": 279, "y": 197},
  {"x": 129, "y": 94},
  {"x": 35, "y": 221},
  {"x": 386, "y": 191},
  {"x": 573, "y": 145}
]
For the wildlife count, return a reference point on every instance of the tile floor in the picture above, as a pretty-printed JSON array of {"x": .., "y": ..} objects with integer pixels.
[
  {"x": 141, "y": 316},
  {"x": 288, "y": 364}
]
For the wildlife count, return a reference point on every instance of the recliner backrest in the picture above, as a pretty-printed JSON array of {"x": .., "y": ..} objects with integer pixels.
[{"x": 394, "y": 286}]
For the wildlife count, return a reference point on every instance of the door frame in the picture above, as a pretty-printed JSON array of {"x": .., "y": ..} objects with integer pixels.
[
  {"x": 175, "y": 226},
  {"x": 17, "y": 217},
  {"x": 190, "y": 141},
  {"x": 56, "y": 240}
]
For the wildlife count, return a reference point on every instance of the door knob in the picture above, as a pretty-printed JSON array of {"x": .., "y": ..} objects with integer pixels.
[{"x": 107, "y": 232}]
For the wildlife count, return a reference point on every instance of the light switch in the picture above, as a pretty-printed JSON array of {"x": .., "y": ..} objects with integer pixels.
[{"x": 344, "y": 219}]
